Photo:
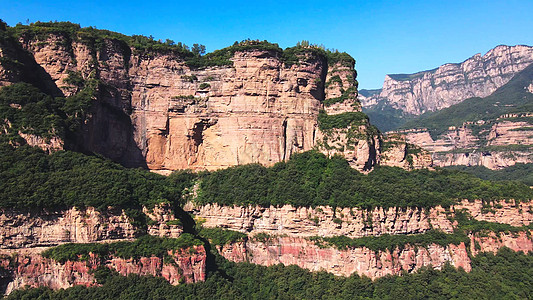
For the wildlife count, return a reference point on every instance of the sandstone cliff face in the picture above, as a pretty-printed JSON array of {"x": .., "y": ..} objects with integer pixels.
[
  {"x": 36, "y": 229},
  {"x": 503, "y": 143},
  {"x": 450, "y": 84},
  {"x": 397, "y": 152},
  {"x": 323, "y": 221},
  {"x": 520, "y": 241},
  {"x": 363, "y": 261},
  {"x": 258, "y": 111},
  {"x": 29, "y": 268},
  {"x": 24, "y": 235},
  {"x": 154, "y": 111},
  {"x": 289, "y": 231}
]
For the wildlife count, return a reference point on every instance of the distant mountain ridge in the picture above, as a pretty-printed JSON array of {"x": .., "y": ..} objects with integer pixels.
[
  {"x": 405, "y": 96},
  {"x": 495, "y": 131}
]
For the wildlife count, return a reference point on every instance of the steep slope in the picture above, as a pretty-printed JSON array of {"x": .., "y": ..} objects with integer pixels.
[
  {"x": 405, "y": 96},
  {"x": 162, "y": 107}
]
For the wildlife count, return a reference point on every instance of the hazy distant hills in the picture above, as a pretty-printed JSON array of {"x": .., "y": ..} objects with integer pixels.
[{"x": 406, "y": 96}]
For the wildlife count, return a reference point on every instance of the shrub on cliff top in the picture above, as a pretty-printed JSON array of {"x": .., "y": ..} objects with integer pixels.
[
  {"x": 342, "y": 58},
  {"x": 223, "y": 56},
  {"x": 391, "y": 242},
  {"x": 326, "y": 122}
]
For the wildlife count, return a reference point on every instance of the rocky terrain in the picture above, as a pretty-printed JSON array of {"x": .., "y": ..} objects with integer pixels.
[
  {"x": 354, "y": 223},
  {"x": 28, "y": 268},
  {"x": 285, "y": 235},
  {"x": 495, "y": 145},
  {"x": 154, "y": 110},
  {"x": 450, "y": 84},
  {"x": 24, "y": 236},
  {"x": 157, "y": 109}
]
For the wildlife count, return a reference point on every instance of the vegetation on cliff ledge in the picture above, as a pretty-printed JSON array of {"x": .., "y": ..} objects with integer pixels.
[
  {"x": 145, "y": 246},
  {"x": 25, "y": 109},
  {"x": 326, "y": 122},
  {"x": 312, "y": 179},
  {"x": 391, "y": 242}
]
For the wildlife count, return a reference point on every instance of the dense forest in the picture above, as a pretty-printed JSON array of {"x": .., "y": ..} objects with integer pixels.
[
  {"x": 518, "y": 172},
  {"x": 312, "y": 179},
  {"x": 507, "y": 275}
]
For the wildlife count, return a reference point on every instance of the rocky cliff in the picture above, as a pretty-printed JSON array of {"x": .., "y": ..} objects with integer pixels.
[
  {"x": 363, "y": 261},
  {"x": 25, "y": 235},
  {"x": 450, "y": 84},
  {"x": 494, "y": 144},
  {"x": 324, "y": 221},
  {"x": 155, "y": 110},
  {"x": 29, "y": 268},
  {"x": 287, "y": 235},
  {"x": 49, "y": 228},
  {"x": 284, "y": 235}
]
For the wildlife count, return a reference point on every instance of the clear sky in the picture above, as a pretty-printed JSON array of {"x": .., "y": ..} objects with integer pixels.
[{"x": 383, "y": 36}]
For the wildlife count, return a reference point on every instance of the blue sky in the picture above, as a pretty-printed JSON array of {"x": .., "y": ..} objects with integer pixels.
[{"x": 383, "y": 36}]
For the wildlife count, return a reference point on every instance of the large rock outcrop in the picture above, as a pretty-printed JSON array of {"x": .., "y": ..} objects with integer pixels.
[
  {"x": 49, "y": 228},
  {"x": 154, "y": 110},
  {"x": 344, "y": 262},
  {"x": 363, "y": 261},
  {"x": 288, "y": 235},
  {"x": 450, "y": 84},
  {"x": 25, "y": 235}
]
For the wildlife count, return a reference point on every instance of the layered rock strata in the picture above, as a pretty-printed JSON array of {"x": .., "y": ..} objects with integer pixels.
[
  {"x": 363, "y": 261},
  {"x": 153, "y": 110},
  {"x": 285, "y": 235},
  {"x": 24, "y": 235},
  {"x": 353, "y": 222},
  {"x": 37, "y": 229}
]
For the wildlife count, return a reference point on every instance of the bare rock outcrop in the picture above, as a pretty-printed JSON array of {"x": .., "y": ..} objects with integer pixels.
[
  {"x": 363, "y": 261},
  {"x": 353, "y": 222},
  {"x": 48, "y": 228},
  {"x": 154, "y": 110},
  {"x": 29, "y": 268}
]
